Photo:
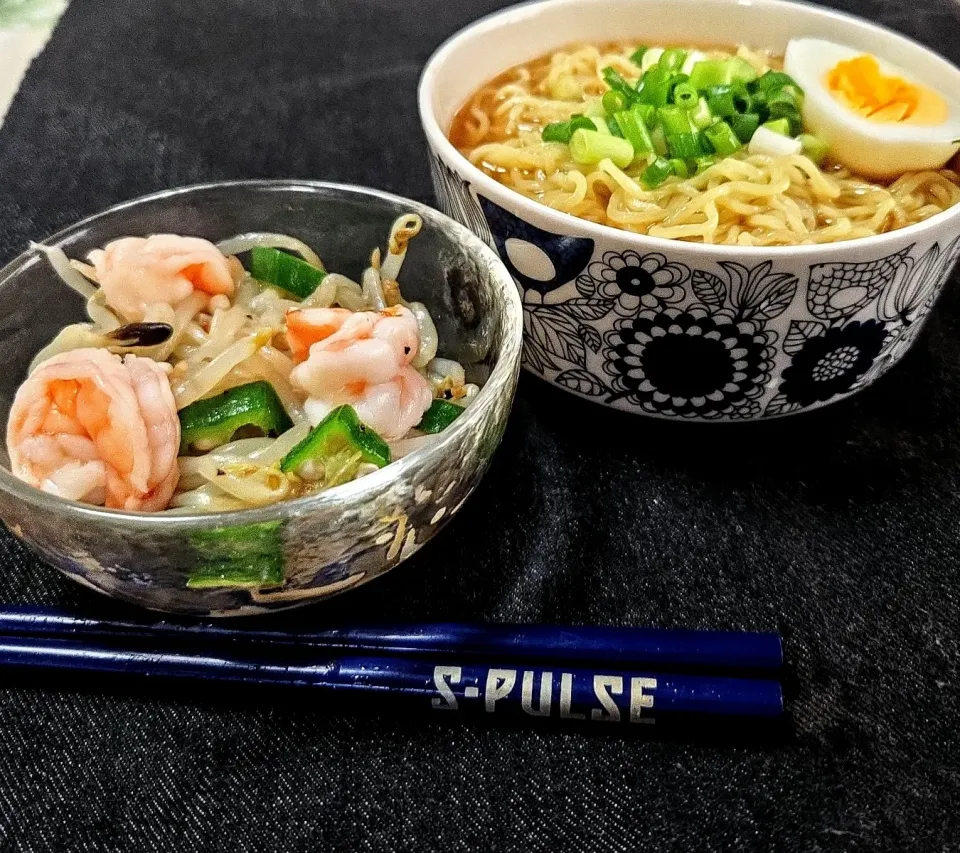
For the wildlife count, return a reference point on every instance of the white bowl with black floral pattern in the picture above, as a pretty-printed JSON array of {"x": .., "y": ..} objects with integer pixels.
[{"x": 676, "y": 329}]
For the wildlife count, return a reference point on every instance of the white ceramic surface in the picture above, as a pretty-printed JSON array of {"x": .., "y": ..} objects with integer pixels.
[{"x": 675, "y": 329}]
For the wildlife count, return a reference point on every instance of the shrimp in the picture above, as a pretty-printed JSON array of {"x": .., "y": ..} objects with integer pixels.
[
  {"x": 90, "y": 426},
  {"x": 137, "y": 272},
  {"x": 362, "y": 359}
]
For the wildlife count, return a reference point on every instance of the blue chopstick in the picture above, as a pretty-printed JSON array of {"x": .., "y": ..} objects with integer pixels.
[
  {"x": 596, "y": 694},
  {"x": 722, "y": 651}
]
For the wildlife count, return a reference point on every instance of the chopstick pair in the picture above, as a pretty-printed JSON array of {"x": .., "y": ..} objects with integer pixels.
[{"x": 633, "y": 675}]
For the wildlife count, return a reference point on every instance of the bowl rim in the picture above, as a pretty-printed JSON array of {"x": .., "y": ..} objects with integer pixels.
[
  {"x": 504, "y": 373},
  {"x": 576, "y": 226}
]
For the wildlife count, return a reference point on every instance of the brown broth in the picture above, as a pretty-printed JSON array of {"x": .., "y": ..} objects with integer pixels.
[{"x": 463, "y": 129}]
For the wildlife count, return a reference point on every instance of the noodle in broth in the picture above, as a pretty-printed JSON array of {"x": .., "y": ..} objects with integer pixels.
[{"x": 743, "y": 199}]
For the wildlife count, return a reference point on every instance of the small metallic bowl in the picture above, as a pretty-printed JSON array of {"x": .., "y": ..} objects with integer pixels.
[{"x": 305, "y": 549}]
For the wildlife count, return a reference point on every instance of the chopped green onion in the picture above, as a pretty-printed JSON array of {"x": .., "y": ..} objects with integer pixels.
[
  {"x": 613, "y": 127},
  {"x": 561, "y": 131},
  {"x": 679, "y": 168},
  {"x": 701, "y": 116},
  {"x": 722, "y": 101},
  {"x": 674, "y": 120},
  {"x": 772, "y": 81},
  {"x": 646, "y": 111},
  {"x": 656, "y": 173},
  {"x": 708, "y": 73},
  {"x": 704, "y": 163},
  {"x": 637, "y": 56},
  {"x": 617, "y": 84},
  {"x": 758, "y": 104},
  {"x": 786, "y": 103},
  {"x": 672, "y": 59},
  {"x": 685, "y": 96},
  {"x": 285, "y": 271},
  {"x": 677, "y": 79},
  {"x": 590, "y": 147},
  {"x": 684, "y": 145},
  {"x": 654, "y": 86},
  {"x": 780, "y": 125},
  {"x": 600, "y": 125},
  {"x": 635, "y": 131},
  {"x": 719, "y": 72},
  {"x": 659, "y": 139},
  {"x": 772, "y": 144},
  {"x": 439, "y": 416},
  {"x": 740, "y": 71},
  {"x": 578, "y": 121},
  {"x": 790, "y": 91},
  {"x": 744, "y": 125},
  {"x": 650, "y": 58},
  {"x": 741, "y": 98},
  {"x": 692, "y": 59},
  {"x": 791, "y": 117},
  {"x": 613, "y": 102},
  {"x": 556, "y": 131},
  {"x": 782, "y": 107},
  {"x": 722, "y": 138},
  {"x": 814, "y": 147}
]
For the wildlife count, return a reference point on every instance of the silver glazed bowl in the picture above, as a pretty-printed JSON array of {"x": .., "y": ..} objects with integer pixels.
[{"x": 319, "y": 545}]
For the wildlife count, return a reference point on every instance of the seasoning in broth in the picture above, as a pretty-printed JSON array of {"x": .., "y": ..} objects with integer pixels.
[{"x": 719, "y": 145}]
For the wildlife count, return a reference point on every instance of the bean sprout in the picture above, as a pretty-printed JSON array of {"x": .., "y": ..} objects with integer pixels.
[
  {"x": 246, "y": 242},
  {"x": 61, "y": 264},
  {"x": 403, "y": 230}
]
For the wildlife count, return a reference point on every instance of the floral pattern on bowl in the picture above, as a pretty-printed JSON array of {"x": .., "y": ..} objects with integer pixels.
[{"x": 677, "y": 334}]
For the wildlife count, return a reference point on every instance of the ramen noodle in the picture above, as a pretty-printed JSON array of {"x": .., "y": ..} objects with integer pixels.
[{"x": 718, "y": 146}]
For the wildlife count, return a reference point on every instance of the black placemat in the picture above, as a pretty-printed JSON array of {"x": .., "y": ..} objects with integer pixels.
[{"x": 839, "y": 529}]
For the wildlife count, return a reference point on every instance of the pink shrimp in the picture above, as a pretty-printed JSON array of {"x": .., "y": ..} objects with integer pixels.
[
  {"x": 92, "y": 427},
  {"x": 135, "y": 272},
  {"x": 361, "y": 359}
]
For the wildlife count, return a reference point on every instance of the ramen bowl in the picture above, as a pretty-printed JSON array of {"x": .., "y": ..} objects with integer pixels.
[
  {"x": 287, "y": 554},
  {"x": 675, "y": 329}
]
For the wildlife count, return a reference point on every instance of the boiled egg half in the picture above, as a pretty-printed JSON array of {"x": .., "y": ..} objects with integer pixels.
[{"x": 874, "y": 117}]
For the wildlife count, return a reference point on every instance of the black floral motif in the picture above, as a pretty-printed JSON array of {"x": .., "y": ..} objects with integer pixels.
[
  {"x": 690, "y": 364},
  {"x": 839, "y": 290},
  {"x": 911, "y": 295},
  {"x": 567, "y": 256},
  {"x": 555, "y": 333},
  {"x": 456, "y": 200},
  {"x": 634, "y": 281},
  {"x": 752, "y": 294},
  {"x": 827, "y": 363},
  {"x": 906, "y": 303},
  {"x": 582, "y": 382},
  {"x": 912, "y": 286}
]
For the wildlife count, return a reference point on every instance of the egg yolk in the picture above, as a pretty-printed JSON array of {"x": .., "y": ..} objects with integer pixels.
[{"x": 859, "y": 85}]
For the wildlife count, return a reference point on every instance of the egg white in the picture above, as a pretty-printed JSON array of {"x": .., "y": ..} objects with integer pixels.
[{"x": 874, "y": 149}]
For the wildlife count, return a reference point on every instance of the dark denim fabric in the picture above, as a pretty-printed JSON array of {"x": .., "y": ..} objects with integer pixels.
[{"x": 839, "y": 529}]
